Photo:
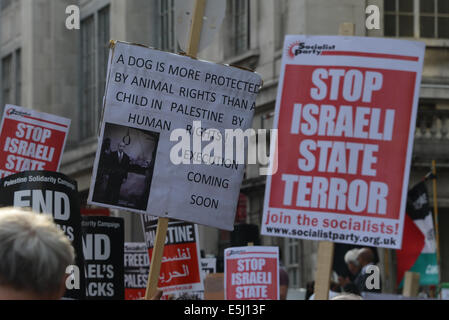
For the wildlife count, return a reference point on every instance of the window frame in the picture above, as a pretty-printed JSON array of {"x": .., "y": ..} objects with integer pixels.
[
  {"x": 18, "y": 76},
  {"x": 14, "y": 80},
  {"x": 293, "y": 267},
  {"x": 432, "y": 41},
  {"x": 5, "y": 4},
  {"x": 7, "y": 79},
  {"x": 281, "y": 23},
  {"x": 166, "y": 10},
  {"x": 93, "y": 70},
  {"x": 233, "y": 49}
]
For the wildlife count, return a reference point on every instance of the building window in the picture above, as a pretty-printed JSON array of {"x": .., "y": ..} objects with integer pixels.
[
  {"x": 434, "y": 18},
  {"x": 18, "y": 80},
  {"x": 239, "y": 29},
  {"x": 103, "y": 52},
  {"x": 5, "y": 3},
  {"x": 420, "y": 18},
  {"x": 11, "y": 79},
  {"x": 167, "y": 36},
  {"x": 399, "y": 18},
  {"x": 291, "y": 260},
  {"x": 94, "y": 62},
  {"x": 7, "y": 80},
  {"x": 281, "y": 7}
]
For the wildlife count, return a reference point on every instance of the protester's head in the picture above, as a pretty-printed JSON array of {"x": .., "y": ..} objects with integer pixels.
[
  {"x": 34, "y": 256},
  {"x": 352, "y": 262},
  {"x": 121, "y": 146},
  {"x": 283, "y": 284},
  {"x": 334, "y": 286},
  {"x": 365, "y": 257}
]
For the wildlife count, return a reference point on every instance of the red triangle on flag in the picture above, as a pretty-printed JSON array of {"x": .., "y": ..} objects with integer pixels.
[{"x": 412, "y": 246}]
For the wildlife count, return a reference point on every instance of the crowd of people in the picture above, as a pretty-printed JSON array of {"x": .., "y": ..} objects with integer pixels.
[
  {"x": 358, "y": 262},
  {"x": 352, "y": 286},
  {"x": 35, "y": 257},
  {"x": 36, "y": 253}
]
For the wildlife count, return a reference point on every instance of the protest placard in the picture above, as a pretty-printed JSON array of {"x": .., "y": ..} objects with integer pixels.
[
  {"x": 103, "y": 249},
  {"x": 345, "y": 115},
  {"x": 180, "y": 272},
  {"x": 50, "y": 193},
  {"x": 208, "y": 265},
  {"x": 214, "y": 286},
  {"x": 137, "y": 265},
  {"x": 157, "y": 108},
  {"x": 251, "y": 273},
  {"x": 31, "y": 140}
]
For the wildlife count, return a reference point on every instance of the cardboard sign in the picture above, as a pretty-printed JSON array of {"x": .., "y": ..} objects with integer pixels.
[
  {"x": 345, "y": 114},
  {"x": 157, "y": 107},
  {"x": 252, "y": 273},
  {"x": 51, "y": 193},
  {"x": 180, "y": 270},
  {"x": 103, "y": 248},
  {"x": 31, "y": 140},
  {"x": 208, "y": 266},
  {"x": 214, "y": 286},
  {"x": 137, "y": 264}
]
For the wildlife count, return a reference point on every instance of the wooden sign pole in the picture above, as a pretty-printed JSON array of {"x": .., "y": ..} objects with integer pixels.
[
  {"x": 156, "y": 258},
  {"x": 325, "y": 257},
  {"x": 435, "y": 212},
  {"x": 195, "y": 29},
  {"x": 162, "y": 224},
  {"x": 323, "y": 269},
  {"x": 411, "y": 284}
]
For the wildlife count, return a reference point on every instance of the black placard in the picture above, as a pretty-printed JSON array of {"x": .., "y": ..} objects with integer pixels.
[
  {"x": 55, "y": 194},
  {"x": 103, "y": 247}
]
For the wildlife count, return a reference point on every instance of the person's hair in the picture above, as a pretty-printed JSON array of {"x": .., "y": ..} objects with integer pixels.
[
  {"x": 34, "y": 252},
  {"x": 367, "y": 255},
  {"x": 334, "y": 286},
  {"x": 351, "y": 257}
]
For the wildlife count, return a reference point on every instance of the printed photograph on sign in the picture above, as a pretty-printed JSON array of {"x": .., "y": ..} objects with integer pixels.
[{"x": 125, "y": 168}]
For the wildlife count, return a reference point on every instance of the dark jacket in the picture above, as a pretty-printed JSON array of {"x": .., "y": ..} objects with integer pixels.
[
  {"x": 118, "y": 170},
  {"x": 362, "y": 277}
]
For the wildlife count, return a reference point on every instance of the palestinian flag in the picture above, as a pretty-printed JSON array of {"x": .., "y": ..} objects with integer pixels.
[{"x": 418, "y": 253}]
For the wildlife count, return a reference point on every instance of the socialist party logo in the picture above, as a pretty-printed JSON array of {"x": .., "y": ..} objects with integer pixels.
[
  {"x": 298, "y": 48},
  {"x": 12, "y": 112}
]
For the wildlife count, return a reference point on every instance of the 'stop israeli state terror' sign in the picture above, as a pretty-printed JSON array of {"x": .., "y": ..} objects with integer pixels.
[{"x": 345, "y": 114}]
